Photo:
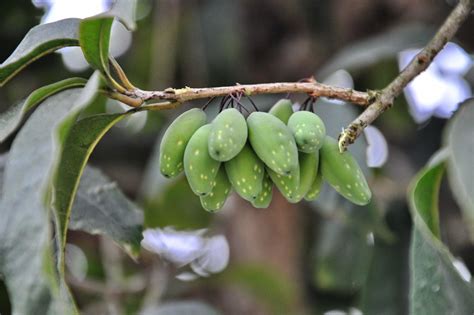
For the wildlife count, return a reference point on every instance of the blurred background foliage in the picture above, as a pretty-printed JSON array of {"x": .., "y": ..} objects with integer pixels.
[{"x": 287, "y": 259}]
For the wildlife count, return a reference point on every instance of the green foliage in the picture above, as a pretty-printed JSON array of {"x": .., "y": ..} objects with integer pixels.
[
  {"x": 436, "y": 286},
  {"x": 459, "y": 141},
  {"x": 40, "y": 40},
  {"x": 94, "y": 38},
  {"x": 12, "y": 117}
]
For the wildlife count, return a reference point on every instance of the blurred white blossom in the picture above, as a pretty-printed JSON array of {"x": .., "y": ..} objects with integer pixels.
[
  {"x": 340, "y": 78},
  {"x": 204, "y": 255},
  {"x": 440, "y": 88},
  {"x": 377, "y": 147},
  {"x": 462, "y": 270},
  {"x": 73, "y": 58}
]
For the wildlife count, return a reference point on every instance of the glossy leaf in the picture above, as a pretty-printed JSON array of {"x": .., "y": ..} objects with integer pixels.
[
  {"x": 78, "y": 146},
  {"x": 12, "y": 117},
  {"x": 101, "y": 208},
  {"x": 94, "y": 38},
  {"x": 436, "y": 285},
  {"x": 460, "y": 143},
  {"x": 39, "y": 41}
]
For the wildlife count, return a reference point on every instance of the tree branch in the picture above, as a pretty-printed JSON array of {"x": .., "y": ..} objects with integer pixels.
[
  {"x": 384, "y": 99},
  {"x": 312, "y": 88}
]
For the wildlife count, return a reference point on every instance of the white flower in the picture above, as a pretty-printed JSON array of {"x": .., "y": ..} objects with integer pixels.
[
  {"x": 205, "y": 255},
  {"x": 438, "y": 90}
]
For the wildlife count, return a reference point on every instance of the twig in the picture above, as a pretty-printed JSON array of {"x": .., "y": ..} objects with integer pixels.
[
  {"x": 384, "y": 99},
  {"x": 312, "y": 88}
]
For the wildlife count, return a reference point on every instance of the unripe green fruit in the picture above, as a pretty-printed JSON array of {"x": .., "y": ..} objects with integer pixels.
[
  {"x": 245, "y": 172},
  {"x": 200, "y": 168},
  {"x": 273, "y": 142},
  {"x": 228, "y": 135},
  {"x": 176, "y": 138},
  {"x": 308, "y": 129},
  {"x": 282, "y": 109},
  {"x": 308, "y": 169},
  {"x": 343, "y": 173},
  {"x": 287, "y": 185},
  {"x": 218, "y": 195},
  {"x": 264, "y": 198},
  {"x": 315, "y": 189}
]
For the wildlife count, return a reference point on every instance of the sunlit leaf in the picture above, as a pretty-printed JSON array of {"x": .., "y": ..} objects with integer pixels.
[
  {"x": 39, "y": 41},
  {"x": 459, "y": 140},
  {"x": 12, "y": 117},
  {"x": 436, "y": 285}
]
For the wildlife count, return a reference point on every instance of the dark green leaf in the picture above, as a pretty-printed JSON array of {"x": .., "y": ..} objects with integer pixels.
[
  {"x": 436, "y": 286},
  {"x": 94, "y": 38},
  {"x": 26, "y": 254},
  {"x": 12, "y": 117},
  {"x": 101, "y": 208},
  {"x": 459, "y": 140},
  {"x": 180, "y": 308},
  {"x": 78, "y": 146},
  {"x": 39, "y": 41}
]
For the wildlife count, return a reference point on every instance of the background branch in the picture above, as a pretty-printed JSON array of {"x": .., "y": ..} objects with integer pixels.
[{"x": 418, "y": 64}]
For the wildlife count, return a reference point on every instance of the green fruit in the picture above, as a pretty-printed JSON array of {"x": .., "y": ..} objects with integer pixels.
[
  {"x": 308, "y": 171},
  {"x": 218, "y": 195},
  {"x": 308, "y": 129},
  {"x": 282, "y": 109},
  {"x": 176, "y": 138},
  {"x": 315, "y": 189},
  {"x": 228, "y": 135},
  {"x": 245, "y": 172},
  {"x": 265, "y": 196},
  {"x": 273, "y": 143},
  {"x": 200, "y": 168},
  {"x": 343, "y": 173},
  {"x": 286, "y": 184}
]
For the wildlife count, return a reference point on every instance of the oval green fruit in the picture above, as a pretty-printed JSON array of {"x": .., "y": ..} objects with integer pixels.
[
  {"x": 315, "y": 189},
  {"x": 200, "y": 168},
  {"x": 282, "y": 109},
  {"x": 264, "y": 198},
  {"x": 273, "y": 143},
  {"x": 228, "y": 135},
  {"x": 309, "y": 163},
  {"x": 286, "y": 184},
  {"x": 175, "y": 139},
  {"x": 308, "y": 129},
  {"x": 343, "y": 173},
  {"x": 245, "y": 172},
  {"x": 218, "y": 195}
]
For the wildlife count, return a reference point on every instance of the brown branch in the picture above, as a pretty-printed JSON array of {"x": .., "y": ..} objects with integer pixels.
[
  {"x": 386, "y": 97},
  {"x": 313, "y": 88}
]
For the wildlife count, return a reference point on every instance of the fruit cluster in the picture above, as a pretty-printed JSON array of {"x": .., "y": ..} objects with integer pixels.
[{"x": 281, "y": 147}]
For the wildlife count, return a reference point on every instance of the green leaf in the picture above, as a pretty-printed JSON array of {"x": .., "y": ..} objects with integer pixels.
[
  {"x": 436, "y": 286},
  {"x": 94, "y": 32},
  {"x": 101, "y": 208},
  {"x": 94, "y": 38},
  {"x": 40, "y": 40},
  {"x": 78, "y": 146},
  {"x": 460, "y": 143},
  {"x": 180, "y": 308},
  {"x": 26, "y": 253},
  {"x": 12, "y": 117}
]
